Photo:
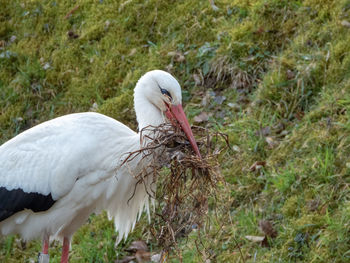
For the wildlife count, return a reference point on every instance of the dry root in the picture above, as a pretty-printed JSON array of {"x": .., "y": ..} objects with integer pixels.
[{"x": 184, "y": 186}]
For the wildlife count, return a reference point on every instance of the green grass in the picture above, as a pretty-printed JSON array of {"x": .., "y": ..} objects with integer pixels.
[{"x": 284, "y": 69}]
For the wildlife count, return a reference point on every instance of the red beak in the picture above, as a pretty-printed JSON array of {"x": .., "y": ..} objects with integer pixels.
[{"x": 176, "y": 112}]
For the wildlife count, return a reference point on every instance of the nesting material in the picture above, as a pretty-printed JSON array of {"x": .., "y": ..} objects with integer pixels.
[{"x": 184, "y": 184}]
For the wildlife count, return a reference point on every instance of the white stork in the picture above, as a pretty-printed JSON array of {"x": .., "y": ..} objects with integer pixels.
[{"x": 54, "y": 175}]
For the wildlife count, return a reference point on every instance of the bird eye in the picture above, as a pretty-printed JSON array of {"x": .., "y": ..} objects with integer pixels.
[{"x": 165, "y": 92}]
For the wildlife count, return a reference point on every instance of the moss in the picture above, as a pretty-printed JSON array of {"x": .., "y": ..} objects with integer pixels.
[
  {"x": 310, "y": 222},
  {"x": 290, "y": 207},
  {"x": 120, "y": 108},
  {"x": 10, "y": 119}
]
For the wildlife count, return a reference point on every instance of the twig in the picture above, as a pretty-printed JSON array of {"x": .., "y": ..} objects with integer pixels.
[
  {"x": 71, "y": 12},
  {"x": 185, "y": 189}
]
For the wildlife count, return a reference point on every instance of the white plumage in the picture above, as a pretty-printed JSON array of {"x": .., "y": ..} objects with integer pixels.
[
  {"x": 73, "y": 158},
  {"x": 77, "y": 159}
]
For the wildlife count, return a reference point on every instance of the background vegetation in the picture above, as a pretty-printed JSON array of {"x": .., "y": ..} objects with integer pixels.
[{"x": 273, "y": 74}]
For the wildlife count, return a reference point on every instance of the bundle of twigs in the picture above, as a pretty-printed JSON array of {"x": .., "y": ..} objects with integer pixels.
[{"x": 186, "y": 182}]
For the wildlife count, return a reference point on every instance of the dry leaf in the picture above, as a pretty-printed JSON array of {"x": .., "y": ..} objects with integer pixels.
[
  {"x": 279, "y": 127},
  {"x": 255, "y": 238},
  {"x": 141, "y": 252},
  {"x": 132, "y": 52},
  {"x": 197, "y": 79},
  {"x": 126, "y": 259},
  {"x": 299, "y": 115},
  {"x": 271, "y": 142},
  {"x": 313, "y": 204},
  {"x": 257, "y": 166},
  {"x": 265, "y": 131},
  {"x": 171, "y": 53},
  {"x": 243, "y": 99},
  {"x": 137, "y": 245},
  {"x": 143, "y": 256},
  {"x": 178, "y": 56},
  {"x": 202, "y": 117},
  {"x": 290, "y": 74},
  {"x": 260, "y": 30},
  {"x": 324, "y": 209},
  {"x": 267, "y": 228},
  {"x": 206, "y": 99}
]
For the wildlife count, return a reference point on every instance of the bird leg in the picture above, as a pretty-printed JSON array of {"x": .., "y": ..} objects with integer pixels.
[
  {"x": 44, "y": 255},
  {"x": 65, "y": 250},
  {"x": 45, "y": 245}
]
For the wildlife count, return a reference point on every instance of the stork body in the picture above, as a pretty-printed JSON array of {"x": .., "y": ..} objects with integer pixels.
[
  {"x": 73, "y": 160},
  {"x": 54, "y": 175}
]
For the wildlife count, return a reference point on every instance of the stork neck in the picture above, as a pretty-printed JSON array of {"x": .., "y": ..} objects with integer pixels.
[{"x": 146, "y": 113}]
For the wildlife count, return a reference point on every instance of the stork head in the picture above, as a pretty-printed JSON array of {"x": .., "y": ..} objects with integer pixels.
[{"x": 163, "y": 92}]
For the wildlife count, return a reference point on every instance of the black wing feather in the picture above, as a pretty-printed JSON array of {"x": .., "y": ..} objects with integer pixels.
[{"x": 13, "y": 201}]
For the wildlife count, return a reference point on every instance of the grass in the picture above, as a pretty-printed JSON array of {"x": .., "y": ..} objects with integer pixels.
[{"x": 283, "y": 68}]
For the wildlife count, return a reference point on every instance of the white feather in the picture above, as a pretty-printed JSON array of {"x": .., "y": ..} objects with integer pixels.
[{"x": 77, "y": 158}]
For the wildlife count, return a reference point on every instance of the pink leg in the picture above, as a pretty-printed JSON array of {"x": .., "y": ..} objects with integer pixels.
[
  {"x": 45, "y": 245},
  {"x": 43, "y": 257},
  {"x": 65, "y": 250}
]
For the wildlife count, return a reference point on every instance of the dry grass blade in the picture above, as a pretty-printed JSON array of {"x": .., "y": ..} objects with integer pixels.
[{"x": 186, "y": 183}]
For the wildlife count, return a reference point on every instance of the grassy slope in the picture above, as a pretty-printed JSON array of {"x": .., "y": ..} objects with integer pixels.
[{"x": 283, "y": 67}]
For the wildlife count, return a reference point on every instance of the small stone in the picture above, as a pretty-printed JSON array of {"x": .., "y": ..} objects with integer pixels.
[
  {"x": 46, "y": 66},
  {"x": 94, "y": 107},
  {"x": 345, "y": 23},
  {"x": 219, "y": 99},
  {"x": 107, "y": 23},
  {"x": 156, "y": 258},
  {"x": 13, "y": 38},
  {"x": 234, "y": 106},
  {"x": 236, "y": 148}
]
